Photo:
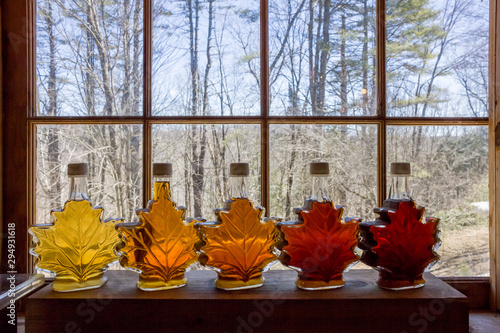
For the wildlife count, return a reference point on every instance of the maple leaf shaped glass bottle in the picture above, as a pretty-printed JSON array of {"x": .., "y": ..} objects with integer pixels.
[
  {"x": 398, "y": 243},
  {"x": 239, "y": 245},
  {"x": 78, "y": 246},
  {"x": 318, "y": 245},
  {"x": 160, "y": 246}
]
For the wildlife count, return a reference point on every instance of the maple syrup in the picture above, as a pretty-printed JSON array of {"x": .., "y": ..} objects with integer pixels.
[
  {"x": 162, "y": 176},
  {"x": 398, "y": 244},
  {"x": 77, "y": 247},
  {"x": 318, "y": 245},
  {"x": 161, "y": 246},
  {"x": 239, "y": 245}
]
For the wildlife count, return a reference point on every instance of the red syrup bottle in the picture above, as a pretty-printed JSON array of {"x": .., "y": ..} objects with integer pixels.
[
  {"x": 318, "y": 245},
  {"x": 398, "y": 243}
]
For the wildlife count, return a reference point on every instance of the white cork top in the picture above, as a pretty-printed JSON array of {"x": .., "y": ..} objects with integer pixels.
[
  {"x": 400, "y": 169},
  {"x": 162, "y": 169},
  {"x": 78, "y": 170},
  {"x": 239, "y": 169},
  {"x": 319, "y": 168}
]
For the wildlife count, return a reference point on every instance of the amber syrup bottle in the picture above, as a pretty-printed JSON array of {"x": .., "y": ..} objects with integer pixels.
[{"x": 161, "y": 246}]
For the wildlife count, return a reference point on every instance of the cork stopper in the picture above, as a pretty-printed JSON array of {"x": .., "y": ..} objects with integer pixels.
[
  {"x": 162, "y": 169},
  {"x": 319, "y": 168},
  {"x": 400, "y": 169},
  {"x": 78, "y": 170},
  {"x": 239, "y": 169}
]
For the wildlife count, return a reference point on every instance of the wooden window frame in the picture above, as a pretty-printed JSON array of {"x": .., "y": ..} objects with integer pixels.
[{"x": 18, "y": 140}]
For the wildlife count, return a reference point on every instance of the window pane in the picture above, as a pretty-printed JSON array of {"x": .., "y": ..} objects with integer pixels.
[
  {"x": 206, "y": 58},
  {"x": 450, "y": 179},
  {"x": 437, "y": 58},
  {"x": 114, "y": 156},
  {"x": 89, "y": 57},
  {"x": 322, "y": 58},
  {"x": 201, "y": 155},
  {"x": 351, "y": 151}
]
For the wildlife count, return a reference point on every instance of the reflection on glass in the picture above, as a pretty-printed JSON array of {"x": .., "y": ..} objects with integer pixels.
[
  {"x": 206, "y": 58},
  {"x": 114, "y": 157},
  {"x": 450, "y": 178},
  {"x": 351, "y": 151},
  {"x": 89, "y": 57},
  {"x": 437, "y": 58},
  {"x": 201, "y": 155},
  {"x": 322, "y": 58}
]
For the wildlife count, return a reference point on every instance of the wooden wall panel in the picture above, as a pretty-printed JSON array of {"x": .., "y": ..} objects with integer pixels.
[
  {"x": 1, "y": 127},
  {"x": 494, "y": 155},
  {"x": 477, "y": 290},
  {"x": 15, "y": 33}
]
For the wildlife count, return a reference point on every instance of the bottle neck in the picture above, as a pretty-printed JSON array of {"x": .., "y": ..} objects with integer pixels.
[
  {"x": 320, "y": 188},
  {"x": 161, "y": 187},
  {"x": 78, "y": 188},
  {"x": 399, "y": 188},
  {"x": 238, "y": 187}
]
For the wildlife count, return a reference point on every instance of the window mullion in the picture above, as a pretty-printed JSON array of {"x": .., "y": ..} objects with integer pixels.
[
  {"x": 381, "y": 100},
  {"x": 494, "y": 159},
  {"x": 264, "y": 100},
  {"x": 147, "y": 101}
]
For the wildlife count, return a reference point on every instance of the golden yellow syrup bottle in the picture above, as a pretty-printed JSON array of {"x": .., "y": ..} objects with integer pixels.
[
  {"x": 78, "y": 246},
  {"x": 239, "y": 245},
  {"x": 318, "y": 245},
  {"x": 161, "y": 246}
]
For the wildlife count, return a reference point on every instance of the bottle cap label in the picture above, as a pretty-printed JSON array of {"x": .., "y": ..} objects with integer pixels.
[
  {"x": 78, "y": 170},
  {"x": 400, "y": 168},
  {"x": 162, "y": 169},
  {"x": 239, "y": 169},
  {"x": 319, "y": 168}
]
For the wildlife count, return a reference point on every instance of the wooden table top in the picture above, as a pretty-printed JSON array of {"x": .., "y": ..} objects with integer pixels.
[{"x": 360, "y": 284}]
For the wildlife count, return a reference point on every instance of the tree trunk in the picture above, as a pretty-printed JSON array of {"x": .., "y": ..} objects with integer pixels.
[
  {"x": 364, "y": 59},
  {"x": 312, "y": 71},
  {"x": 90, "y": 69},
  {"x": 198, "y": 149},
  {"x": 136, "y": 66},
  {"x": 103, "y": 59},
  {"x": 127, "y": 64},
  {"x": 109, "y": 134},
  {"x": 343, "y": 70},
  {"x": 89, "y": 91},
  {"x": 52, "y": 135},
  {"x": 325, "y": 53},
  {"x": 289, "y": 185}
]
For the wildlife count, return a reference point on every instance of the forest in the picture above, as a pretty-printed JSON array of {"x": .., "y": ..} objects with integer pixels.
[{"x": 322, "y": 62}]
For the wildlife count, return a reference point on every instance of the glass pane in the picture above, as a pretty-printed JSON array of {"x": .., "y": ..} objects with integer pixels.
[
  {"x": 437, "y": 58},
  {"x": 89, "y": 57},
  {"x": 201, "y": 155},
  {"x": 322, "y": 58},
  {"x": 206, "y": 58},
  {"x": 114, "y": 156},
  {"x": 351, "y": 151},
  {"x": 450, "y": 179}
]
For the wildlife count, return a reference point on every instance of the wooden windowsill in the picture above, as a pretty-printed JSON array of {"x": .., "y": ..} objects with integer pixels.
[{"x": 360, "y": 306}]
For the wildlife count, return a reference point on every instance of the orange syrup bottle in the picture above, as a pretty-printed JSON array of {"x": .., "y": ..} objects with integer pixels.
[
  {"x": 318, "y": 245},
  {"x": 239, "y": 245}
]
